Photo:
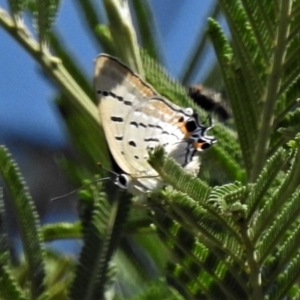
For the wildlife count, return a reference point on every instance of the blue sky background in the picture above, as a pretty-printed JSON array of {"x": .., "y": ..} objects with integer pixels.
[{"x": 26, "y": 108}]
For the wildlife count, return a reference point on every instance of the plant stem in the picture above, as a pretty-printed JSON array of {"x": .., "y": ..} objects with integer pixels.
[
  {"x": 254, "y": 275},
  {"x": 52, "y": 65},
  {"x": 272, "y": 90}
]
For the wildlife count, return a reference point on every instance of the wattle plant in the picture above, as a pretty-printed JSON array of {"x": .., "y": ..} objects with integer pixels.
[{"x": 230, "y": 233}]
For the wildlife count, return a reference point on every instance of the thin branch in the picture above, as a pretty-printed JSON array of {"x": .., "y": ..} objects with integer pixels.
[
  {"x": 52, "y": 65},
  {"x": 254, "y": 274},
  {"x": 123, "y": 33}
]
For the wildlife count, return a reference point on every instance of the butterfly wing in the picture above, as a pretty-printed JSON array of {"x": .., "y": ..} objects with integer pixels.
[
  {"x": 135, "y": 120},
  {"x": 118, "y": 90},
  {"x": 156, "y": 122}
]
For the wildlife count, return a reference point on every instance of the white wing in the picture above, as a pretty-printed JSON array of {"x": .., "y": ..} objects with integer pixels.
[{"x": 118, "y": 90}]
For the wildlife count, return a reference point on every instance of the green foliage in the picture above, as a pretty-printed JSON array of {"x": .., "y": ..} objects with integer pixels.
[
  {"x": 17, "y": 7},
  {"x": 8, "y": 285},
  {"x": 101, "y": 235},
  {"x": 28, "y": 220},
  {"x": 46, "y": 11},
  {"x": 233, "y": 231}
]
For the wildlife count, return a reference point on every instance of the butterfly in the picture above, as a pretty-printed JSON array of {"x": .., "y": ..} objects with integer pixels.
[{"x": 136, "y": 120}]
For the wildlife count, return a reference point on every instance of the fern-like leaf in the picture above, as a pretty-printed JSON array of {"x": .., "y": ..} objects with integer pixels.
[
  {"x": 3, "y": 229},
  {"x": 28, "y": 220},
  {"x": 9, "y": 288},
  {"x": 17, "y": 7},
  {"x": 123, "y": 34},
  {"x": 61, "y": 231},
  {"x": 287, "y": 250},
  {"x": 46, "y": 11},
  {"x": 274, "y": 205},
  {"x": 173, "y": 174},
  {"x": 101, "y": 237},
  {"x": 197, "y": 266},
  {"x": 259, "y": 15},
  {"x": 247, "y": 54},
  {"x": 234, "y": 85},
  {"x": 277, "y": 231},
  {"x": 265, "y": 179},
  {"x": 284, "y": 286},
  {"x": 194, "y": 188}
]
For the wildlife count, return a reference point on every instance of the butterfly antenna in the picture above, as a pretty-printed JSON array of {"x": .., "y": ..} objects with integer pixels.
[
  {"x": 109, "y": 171},
  {"x": 80, "y": 188}
]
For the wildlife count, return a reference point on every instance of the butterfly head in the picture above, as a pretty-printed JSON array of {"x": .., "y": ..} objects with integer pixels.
[
  {"x": 122, "y": 181},
  {"x": 198, "y": 138},
  {"x": 140, "y": 186}
]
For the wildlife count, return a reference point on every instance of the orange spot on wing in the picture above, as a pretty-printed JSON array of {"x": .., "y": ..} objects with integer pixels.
[
  {"x": 182, "y": 127},
  {"x": 198, "y": 146}
]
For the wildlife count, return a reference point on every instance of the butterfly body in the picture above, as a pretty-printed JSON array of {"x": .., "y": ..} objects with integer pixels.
[{"x": 136, "y": 119}]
